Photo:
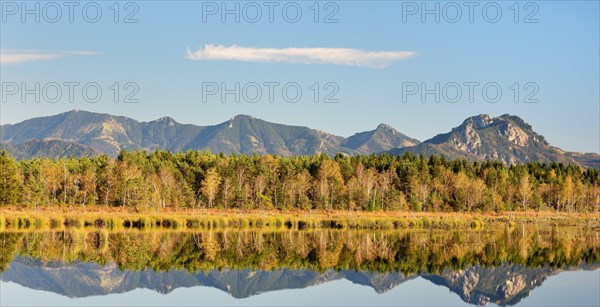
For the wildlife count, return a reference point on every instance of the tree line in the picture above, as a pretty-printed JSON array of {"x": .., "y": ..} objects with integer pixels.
[{"x": 200, "y": 179}]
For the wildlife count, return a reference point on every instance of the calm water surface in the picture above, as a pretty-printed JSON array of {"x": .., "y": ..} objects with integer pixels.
[{"x": 522, "y": 265}]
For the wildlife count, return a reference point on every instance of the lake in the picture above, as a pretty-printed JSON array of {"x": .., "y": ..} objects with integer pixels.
[{"x": 498, "y": 265}]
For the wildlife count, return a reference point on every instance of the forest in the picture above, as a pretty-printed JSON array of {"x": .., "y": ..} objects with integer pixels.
[{"x": 382, "y": 182}]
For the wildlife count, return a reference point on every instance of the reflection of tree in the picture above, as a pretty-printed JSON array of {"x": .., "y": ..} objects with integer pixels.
[
  {"x": 328, "y": 250},
  {"x": 8, "y": 248},
  {"x": 210, "y": 246},
  {"x": 383, "y": 251}
]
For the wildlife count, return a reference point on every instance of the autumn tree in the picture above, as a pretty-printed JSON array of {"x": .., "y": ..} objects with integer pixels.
[
  {"x": 524, "y": 191},
  {"x": 129, "y": 178},
  {"x": 329, "y": 181},
  {"x": 167, "y": 184},
  {"x": 87, "y": 180},
  {"x": 52, "y": 180},
  {"x": 210, "y": 184},
  {"x": 474, "y": 193}
]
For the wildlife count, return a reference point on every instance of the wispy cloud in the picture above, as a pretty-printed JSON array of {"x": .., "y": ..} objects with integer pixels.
[
  {"x": 337, "y": 56},
  {"x": 9, "y": 56}
]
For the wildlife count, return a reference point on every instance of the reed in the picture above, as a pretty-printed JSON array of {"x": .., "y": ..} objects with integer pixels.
[{"x": 273, "y": 220}]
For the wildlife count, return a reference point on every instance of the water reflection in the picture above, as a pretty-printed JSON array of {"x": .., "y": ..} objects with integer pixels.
[{"x": 500, "y": 265}]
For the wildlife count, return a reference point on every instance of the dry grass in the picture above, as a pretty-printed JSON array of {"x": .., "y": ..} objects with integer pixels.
[{"x": 116, "y": 219}]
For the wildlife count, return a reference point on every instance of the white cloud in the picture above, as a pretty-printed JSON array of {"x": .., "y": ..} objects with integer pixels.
[
  {"x": 23, "y": 56},
  {"x": 337, "y": 56}
]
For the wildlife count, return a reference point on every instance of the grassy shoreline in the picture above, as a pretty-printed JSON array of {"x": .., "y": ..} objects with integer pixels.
[{"x": 115, "y": 219}]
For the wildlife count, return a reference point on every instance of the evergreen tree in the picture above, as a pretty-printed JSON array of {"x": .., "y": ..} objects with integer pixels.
[{"x": 9, "y": 180}]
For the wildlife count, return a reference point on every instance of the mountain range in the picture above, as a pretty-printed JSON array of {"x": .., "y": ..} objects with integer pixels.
[
  {"x": 506, "y": 138},
  {"x": 502, "y": 285}
]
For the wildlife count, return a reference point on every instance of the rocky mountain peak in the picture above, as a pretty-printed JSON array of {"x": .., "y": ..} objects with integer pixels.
[
  {"x": 383, "y": 126},
  {"x": 166, "y": 118},
  {"x": 242, "y": 117},
  {"x": 478, "y": 121},
  {"x": 506, "y": 138},
  {"x": 167, "y": 121},
  {"x": 514, "y": 134}
]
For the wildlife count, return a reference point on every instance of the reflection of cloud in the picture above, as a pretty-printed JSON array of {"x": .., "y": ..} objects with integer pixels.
[
  {"x": 20, "y": 56},
  {"x": 337, "y": 56}
]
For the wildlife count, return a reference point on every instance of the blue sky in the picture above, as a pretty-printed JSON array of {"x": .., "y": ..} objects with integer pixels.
[{"x": 556, "y": 60}]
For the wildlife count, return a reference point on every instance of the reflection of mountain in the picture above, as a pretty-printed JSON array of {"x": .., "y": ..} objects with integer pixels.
[
  {"x": 503, "y": 285},
  {"x": 88, "y": 279}
]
